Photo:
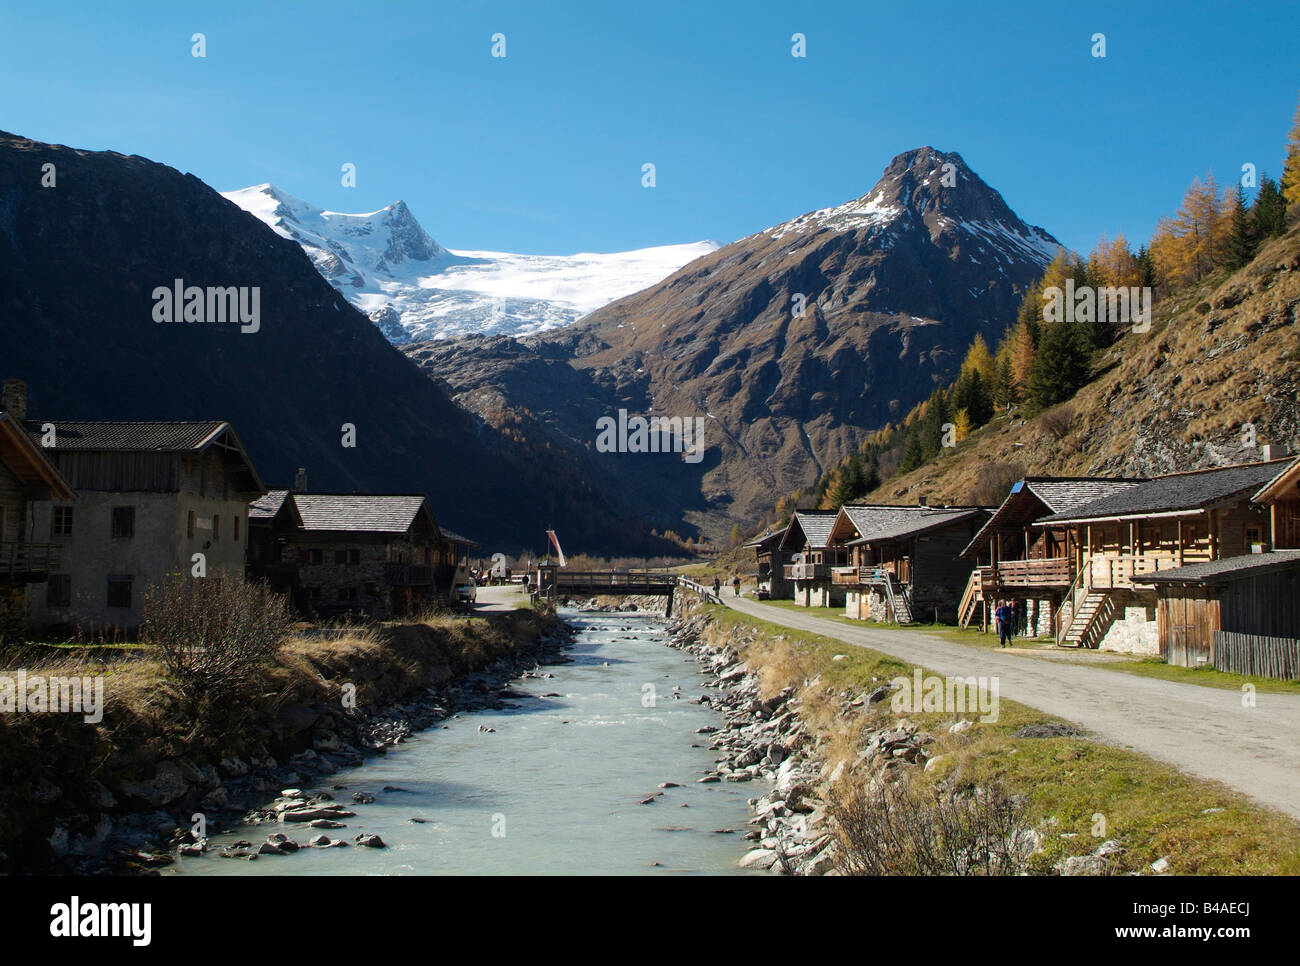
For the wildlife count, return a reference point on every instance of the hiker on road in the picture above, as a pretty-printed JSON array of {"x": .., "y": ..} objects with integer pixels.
[
  {"x": 735, "y": 584},
  {"x": 717, "y": 586},
  {"x": 1003, "y": 617}
]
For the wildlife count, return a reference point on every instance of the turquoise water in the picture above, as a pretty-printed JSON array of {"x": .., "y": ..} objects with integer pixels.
[{"x": 553, "y": 790}]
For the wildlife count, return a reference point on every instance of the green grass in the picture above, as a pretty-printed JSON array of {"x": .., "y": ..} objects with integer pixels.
[
  {"x": 1206, "y": 677},
  {"x": 1073, "y": 784}
]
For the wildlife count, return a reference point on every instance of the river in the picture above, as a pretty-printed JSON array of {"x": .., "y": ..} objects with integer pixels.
[{"x": 554, "y": 789}]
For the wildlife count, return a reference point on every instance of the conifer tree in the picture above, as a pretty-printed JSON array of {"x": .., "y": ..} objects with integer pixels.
[
  {"x": 1270, "y": 210},
  {"x": 1241, "y": 243},
  {"x": 1060, "y": 366},
  {"x": 912, "y": 457}
]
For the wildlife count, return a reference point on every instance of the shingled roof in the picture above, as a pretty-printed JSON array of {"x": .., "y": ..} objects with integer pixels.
[
  {"x": 771, "y": 536},
  {"x": 267, "y": 506},
  {"x": 1058, "y": 494},
  {"x": 813, "y": 525},
  {"x": 1225, "y": 568},
  {"x": 1175, "y": 493},
  {"x": 360, "y": 512},
  {"x": 879, "y": 524},
  {"x": 130, "y": 437}
]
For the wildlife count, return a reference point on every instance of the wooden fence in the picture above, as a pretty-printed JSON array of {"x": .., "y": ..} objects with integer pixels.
[{"x": 1269, "y": 657}]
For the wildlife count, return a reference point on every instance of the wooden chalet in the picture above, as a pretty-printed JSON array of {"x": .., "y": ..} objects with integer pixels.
[
  {"x": 1240, "y": 613},
  {"x": 26, "y": 476},
  {"x": 898, "y": 563},
  {"x": 1025, "y": 564},
  {"x": 805, "y": 544},
  {"x": 1121, "y": 540},
  {"x": 771, "y": 562}
]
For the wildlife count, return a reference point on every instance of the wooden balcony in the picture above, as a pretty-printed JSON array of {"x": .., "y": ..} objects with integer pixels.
[
  {"x": 408, "y": 575},
  {"x": 1027, "y": 573},
  {"x": 27, "y": 563},
  {"x": 846, "y": 576},
  {"x": 807, "y": 571},
  {"x": 1123, "y": 571}
]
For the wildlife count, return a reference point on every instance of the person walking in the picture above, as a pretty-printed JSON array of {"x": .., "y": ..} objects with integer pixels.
[
  {"x": 735, "y": 584},
  {"x": 1002, "y": 617},
  {"x": 717, "y": 586}
]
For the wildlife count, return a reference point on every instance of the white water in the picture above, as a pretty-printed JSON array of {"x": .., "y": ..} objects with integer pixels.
[{"x": 562, "y": 775}]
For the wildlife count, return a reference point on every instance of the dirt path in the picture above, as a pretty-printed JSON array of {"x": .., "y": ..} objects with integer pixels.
[{"x": 1203, "y": 731}]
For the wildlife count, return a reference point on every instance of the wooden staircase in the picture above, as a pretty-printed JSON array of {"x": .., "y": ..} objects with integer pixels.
[
  {"x": 970, "y": 599},
  {"x": 1081, "y": 622}
]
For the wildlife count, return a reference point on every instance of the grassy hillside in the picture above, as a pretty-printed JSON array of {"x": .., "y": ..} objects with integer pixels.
[{"x": 1219, "y": 356}]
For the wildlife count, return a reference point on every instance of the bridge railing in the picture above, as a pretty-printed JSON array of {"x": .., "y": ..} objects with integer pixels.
[
  {"x": 704, "y": 591},
  {"x": 621, "y": 579}
]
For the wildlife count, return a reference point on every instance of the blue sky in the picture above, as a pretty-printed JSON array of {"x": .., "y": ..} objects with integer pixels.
[{"x": 542, "y": 151}]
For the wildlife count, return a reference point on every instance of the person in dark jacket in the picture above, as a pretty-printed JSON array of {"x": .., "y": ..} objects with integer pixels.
[
  {"x": 717, "y": 586},
  {"x": 735, "y": 584},
  {"x": 1002, "y": 618}
]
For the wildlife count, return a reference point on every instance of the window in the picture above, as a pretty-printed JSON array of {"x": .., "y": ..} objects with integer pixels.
[
  {"x": 216, "y": 527},
  {"x": 123, "y": 522},
  {"x": 189, "y": 525},
  {"x": 315, "y": 556},
  {"x": 119, "y": 591},
  {"x": 58, "y": 592},
  {"x": 349, "y": 595},
  {"x": 61, "y": 521},
  {"x": 372, "y": 589},
  {"x": 347, "y": 556},
  {"x": 236, "y": 536}
]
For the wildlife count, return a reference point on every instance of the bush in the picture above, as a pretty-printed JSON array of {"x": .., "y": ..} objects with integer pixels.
[
  {"x": 1058, "y": 422},
  {"x": 895, "y": 829},
  {"x": 211, "y": 632},
  {"x": 993, "y": 482}
]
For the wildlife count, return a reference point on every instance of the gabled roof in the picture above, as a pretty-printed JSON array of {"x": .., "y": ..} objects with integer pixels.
[
  {"x": 361, "y": 513},
  {"x": 1034, "y": 497},
  {"x": 74, "y": 436},
  {"x": 457, "y": 538},
  {"x": 1225, "y": 568},
  {"x": 271, "y": 504},
  {"x": 130, "y": 437},
  {"x": 1175, "y": 494},
  {"x": 27, "y": 462},
  {"x": 880, "y": 524},
  {"x": 773, "y": 536},
  {"x": 812, "y": 527},
  {"x": 1285, "y": 483}
]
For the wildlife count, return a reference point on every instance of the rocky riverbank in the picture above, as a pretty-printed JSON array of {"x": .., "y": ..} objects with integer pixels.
[
  {"x": 132, "y": 792},
  {"x": 763, "y": 740}
]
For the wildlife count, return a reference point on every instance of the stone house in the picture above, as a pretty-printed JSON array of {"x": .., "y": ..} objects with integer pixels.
[
  {"x": 153, "y": 499},
  {"x": 27, "y": 477},
  {"x": 373, "y": 555},
  {"x": 902, "y": 563}
]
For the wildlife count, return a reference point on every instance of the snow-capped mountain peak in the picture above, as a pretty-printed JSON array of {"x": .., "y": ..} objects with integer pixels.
[{"x": 387, "y": 265}]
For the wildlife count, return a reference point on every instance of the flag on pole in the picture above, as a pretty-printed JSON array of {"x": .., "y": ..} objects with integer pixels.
[{"x": 555, "y": 542}]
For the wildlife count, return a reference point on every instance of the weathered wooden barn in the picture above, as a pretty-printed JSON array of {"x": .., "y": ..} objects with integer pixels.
[
  {"x": 903, "y": 563},
  {"x": 806, "y": 544},
  {"x": 771, "y": 562},
  {"x": 376, "y": 555}
]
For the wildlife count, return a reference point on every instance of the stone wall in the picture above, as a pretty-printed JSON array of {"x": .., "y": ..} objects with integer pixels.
[{"x": 1134, "y": 629}]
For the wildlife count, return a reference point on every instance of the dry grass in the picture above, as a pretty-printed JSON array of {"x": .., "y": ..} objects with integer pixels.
[{"x": 1074, "y": 787}]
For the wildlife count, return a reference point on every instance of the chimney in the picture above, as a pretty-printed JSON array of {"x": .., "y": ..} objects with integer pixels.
[
  {"x": 14, "y": 399},
  {"x": 1269, "y": 451},
  {"x": 922, "y": 501},
  {"x": 300, "y": 480}
]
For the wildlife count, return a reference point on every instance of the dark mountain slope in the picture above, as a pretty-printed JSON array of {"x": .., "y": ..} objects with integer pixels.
[
  {"x": 894, "y": 286},
  {"x": 78, "y": 265}
]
